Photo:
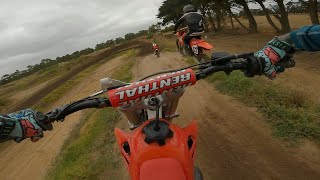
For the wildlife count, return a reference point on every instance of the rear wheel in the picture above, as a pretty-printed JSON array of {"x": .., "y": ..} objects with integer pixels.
[
  {"x": 158, "y": 54},
  {"x": 181, "y": 48},
  {"x": 177, "y": 44},
  {"x": 201, "y": 57}
]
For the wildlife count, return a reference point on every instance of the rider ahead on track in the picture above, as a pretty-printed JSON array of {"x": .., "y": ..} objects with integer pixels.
[{"x": 194, "y": 21}]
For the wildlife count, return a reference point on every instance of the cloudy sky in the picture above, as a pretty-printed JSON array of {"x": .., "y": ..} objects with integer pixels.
[{"x": 31, "y": 30}]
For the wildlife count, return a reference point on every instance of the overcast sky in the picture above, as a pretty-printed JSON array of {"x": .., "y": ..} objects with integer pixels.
[{"x": 31, "y": 30}]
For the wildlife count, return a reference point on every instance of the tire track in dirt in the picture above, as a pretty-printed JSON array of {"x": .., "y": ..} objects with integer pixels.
[
  {"x": 234, "y": 140},
  {"x": 28, "y": 160}
]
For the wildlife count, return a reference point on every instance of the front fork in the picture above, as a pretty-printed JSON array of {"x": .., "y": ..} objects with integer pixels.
[
  {"x": 168, "y": 102},
  {"x": 172, "y": 103}
]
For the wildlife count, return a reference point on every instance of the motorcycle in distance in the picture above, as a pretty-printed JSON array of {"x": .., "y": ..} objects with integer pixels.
[
  {"x": 157, "y": 53},
  {"x": 155, "y": 49},
  {"x": 197, "y": 45},
  {"x": 156, "y": 148}
]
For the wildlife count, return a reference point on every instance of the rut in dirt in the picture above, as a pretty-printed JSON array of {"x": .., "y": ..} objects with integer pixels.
[{"x": 234, "y": 140}]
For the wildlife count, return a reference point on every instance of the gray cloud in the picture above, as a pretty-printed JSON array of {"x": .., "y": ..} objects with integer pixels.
[{"x": 36, "y": 29}]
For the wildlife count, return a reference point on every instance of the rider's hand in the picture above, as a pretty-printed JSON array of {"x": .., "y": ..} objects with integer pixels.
[
  {"x": 272, "y": 54},
  {"x": 25, "y": 124}
]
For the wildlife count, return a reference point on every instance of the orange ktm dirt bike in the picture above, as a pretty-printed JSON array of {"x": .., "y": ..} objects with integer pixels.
[
  {"x": 157, "y": 149},
  {"x": 197, "y": 46}
]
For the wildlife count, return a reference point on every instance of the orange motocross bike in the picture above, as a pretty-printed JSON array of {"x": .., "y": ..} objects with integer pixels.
[
  {"x": 197, "y": 45},
  {"x": 157, "y": 149}
]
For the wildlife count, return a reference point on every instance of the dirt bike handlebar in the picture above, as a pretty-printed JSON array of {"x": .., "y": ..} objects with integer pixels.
[
  {"x": 248, "y": 63},
  {"x": 60, "y": 113}
]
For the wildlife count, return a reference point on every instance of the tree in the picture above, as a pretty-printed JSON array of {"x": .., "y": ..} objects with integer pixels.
[
  {"x": 284, "y": 20},
  {"x": 169, "y": 28},
  {"x": 252, "y": 22},
  {"x": 5, "y": 78},
  {"x": 297, "y": 6},
  {"x": 313, "y": 10},
  {"x": 30, "y": 68},
  {"x": 119, "y": 40},
  {"x": 267, "y": 14},
  {"x": 171, "y": 10},
  {"x": 129, "y": 36},
  {"x": 100, "y": 46},
  {"x": 75, "y": 54},
  {"x": 154, "y": 28},
  {"x": 141, "y": 33},
  {"x": 312, "y": 7},
  {"x": 217, "y": 7},
  {"x": 86, "y": 51},
  {"x": 239, "y": 22}
]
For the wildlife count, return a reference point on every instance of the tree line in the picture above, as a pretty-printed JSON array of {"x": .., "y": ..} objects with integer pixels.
[
  {"x": 216, "y": 12},
  {"x": 42, "y": 65},
  {"x": 47, "y": 62}
]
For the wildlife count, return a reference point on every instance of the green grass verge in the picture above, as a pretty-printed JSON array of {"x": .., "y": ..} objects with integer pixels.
[
  {"x": 124, "y": 73},
  {"x": 167, "y": 44},
  {"x": 88, "y": 153},
  {"x": 292, "y": 114}
]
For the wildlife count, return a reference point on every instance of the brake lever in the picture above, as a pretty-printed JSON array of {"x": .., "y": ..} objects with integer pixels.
[
  {"x": 60, "y": 113},
  {"x": 287, "y": 63},
  {"x": 54, "y": 114}
]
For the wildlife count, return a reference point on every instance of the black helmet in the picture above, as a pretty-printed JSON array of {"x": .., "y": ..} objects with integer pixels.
[{"x": 189, "y": 8}]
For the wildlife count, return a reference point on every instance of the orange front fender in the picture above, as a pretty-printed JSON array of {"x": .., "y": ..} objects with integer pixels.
[{"x": 174, "y": 160}]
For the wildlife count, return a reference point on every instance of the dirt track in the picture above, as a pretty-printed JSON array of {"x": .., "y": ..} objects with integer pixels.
[{"x": 235, "y": 142}]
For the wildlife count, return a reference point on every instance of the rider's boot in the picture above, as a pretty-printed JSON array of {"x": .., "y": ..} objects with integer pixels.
[{"x": 187, "y": 49}]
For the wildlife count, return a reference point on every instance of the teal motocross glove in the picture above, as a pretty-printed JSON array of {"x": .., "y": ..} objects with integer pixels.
[
  {"x": 275, "y": 51},
  {"x": 21, "y": 125}
]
